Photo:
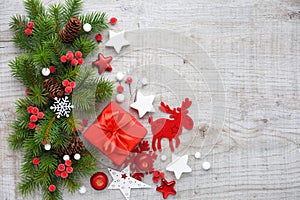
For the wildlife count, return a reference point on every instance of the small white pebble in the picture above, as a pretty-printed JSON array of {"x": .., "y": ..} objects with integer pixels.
[
  {"x": 197, "y": 155},
  {"x": 77, "y": 156},
  {"x": 163, "y": 157},
  {"x": 144, "y": 81},
  {"x": 87, "y": 27},
  {"x": 120, "y": 98},
  {"x": 47, "y": 147},
  {"x": 66, "y": 157},
  {"x": 206, "y": 165},
  {"x": 82, "y": 190},
  {"x": 120, "y": 76},
  {"x": 45, "y": 71}
]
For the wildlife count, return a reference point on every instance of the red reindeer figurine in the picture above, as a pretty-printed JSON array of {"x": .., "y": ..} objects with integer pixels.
[{"x": 171, "y": 128}]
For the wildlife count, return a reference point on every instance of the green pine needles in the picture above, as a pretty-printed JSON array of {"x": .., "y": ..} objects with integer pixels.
[{"x": 42, "y": 48}]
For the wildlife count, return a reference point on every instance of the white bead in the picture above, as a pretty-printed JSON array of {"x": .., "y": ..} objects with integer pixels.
[
  {"x": 77, "y": 156},
  {"x": 206, "y": 165},
  {"x": 120, "y": 98},
  {"x": 197, "y": 155},
  {"x": 66, "y": 157},
  {"x": 45, "y": 71},
  {"x": 144, "y": 81},
  {"x": 87, "y": 27},
  {"x": 120, "y": 76},
  {"x": 163, "y": 157},
  {"x": 47, "y": 147},
  {"x": 82, "y": 190}
]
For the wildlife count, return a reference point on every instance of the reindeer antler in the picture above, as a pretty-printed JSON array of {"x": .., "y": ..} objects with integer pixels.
[
  {"x": 186, "y": 104},
  {"x": 165, "y": 108}
]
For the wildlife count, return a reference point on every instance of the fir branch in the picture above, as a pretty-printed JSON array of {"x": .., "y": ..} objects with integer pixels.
[
  {"x": 37, "y": 95},
  {"x": 34, "y": 8},
  {"x": 97, "y": 20},
  {"x": 71, "y": 184},
  {"x": 55, "y": 11},
  {"x": 104, "y": 89},
  {"x": 71, "y": 8},
  {"x": 55, "y": 45},
  {"x": 43, "y": 29},
  {"x": 18, "y": 23},
  {"x": 86, "y": 166},
  {"x": 26, "y": 186},
  {"x": 84, "y": 44},
  {"x": 42, "y": 56},
  {"x": 16, "y": 139}
]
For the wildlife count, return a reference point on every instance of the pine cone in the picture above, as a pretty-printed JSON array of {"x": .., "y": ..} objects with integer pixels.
[
  {"x": 75, "y": 146},
  {"x": 70, "y": 31},
  {"x": 53, "y": 88}
]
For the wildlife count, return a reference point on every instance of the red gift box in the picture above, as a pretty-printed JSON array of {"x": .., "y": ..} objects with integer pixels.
[{"x": 115, "y": 132}]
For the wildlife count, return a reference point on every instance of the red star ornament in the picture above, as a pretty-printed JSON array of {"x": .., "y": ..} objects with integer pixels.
[
  {"x": 102, "y": 63},
  {"x": 166, "y": 188}
]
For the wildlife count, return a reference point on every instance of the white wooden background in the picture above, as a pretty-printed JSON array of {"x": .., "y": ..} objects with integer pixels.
[{"x": 256, "y": 48}]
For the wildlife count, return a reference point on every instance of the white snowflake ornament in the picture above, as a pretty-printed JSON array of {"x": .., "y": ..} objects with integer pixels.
[{"x": 62, "y": 107}]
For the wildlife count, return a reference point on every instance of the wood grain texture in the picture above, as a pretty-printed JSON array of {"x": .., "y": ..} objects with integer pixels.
[{"x": 256, "y": 47}]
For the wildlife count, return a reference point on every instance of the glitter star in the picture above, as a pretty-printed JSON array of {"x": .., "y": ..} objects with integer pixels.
[
  {"x": 166, "y": 188},
  {"x": 102, "y": 63}
]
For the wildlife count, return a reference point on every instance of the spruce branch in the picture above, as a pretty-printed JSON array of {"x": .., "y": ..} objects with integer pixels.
[
  {"x": 55, "y": 12},
  {"x": 72, "y": 8},
  {"x": 34, "y": 8},
  {"x": 97, "y": 20},
  {"x": 84, "y": 44},
  {"x": 37, "y": 95}
]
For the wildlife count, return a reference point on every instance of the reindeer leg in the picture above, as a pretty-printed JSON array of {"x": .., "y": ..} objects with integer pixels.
[
  {"x": 171, "y": 144},
  {"x": 177, "y": 142},
  {"x": 154, "y": 143},
  {"x": 159, "y": 144}
]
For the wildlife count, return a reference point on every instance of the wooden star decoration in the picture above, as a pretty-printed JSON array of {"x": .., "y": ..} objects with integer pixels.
[
  {"x": 102, "y": 63},
  {"x": 117, "y": 41},
  {"x": 179, "y": 165},
  {"x": 166, "y": 188}
]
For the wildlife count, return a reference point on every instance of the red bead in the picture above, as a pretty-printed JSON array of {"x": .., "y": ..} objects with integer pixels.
[
  {"x": 65, "y": 82},
  {"x": 40, "y": 115},
  {"x": 155, "y": 179},
  {"x": 52, "y": 69},
  {"x": 30, "y": 25},
  {"x": 36, "y": 161},
  {"x": 69, "y": 55},
  {"x": 99, "y": 181},
  {"x": 108, "y": 68},
  {"x": 52, "y": 188},
  {"x": 29, "y": 109},
  {"x": 61, "y": 167},
  {"x": 31, "y": 125},
  {"x": 78, "y": 54},
  {"x": 72, "y": 84},
  {"x": 64, "y": 175},
  {"x": 98, "y": 37},
  {"x": 35, "y": 110},
  {"x": 33, "y": 118},
  {"x": 74, "y": 62},
  {"x": 80, "y": 61},
  {"x": 113, "y": 20},
  {"x": 161, "y": 175},
  {"x": 57, "y": 173},
  {"x": 69, "y": 170},
  {"x": 63, "y": 59},
  {"x": 28, "y": 31},
  {"x": 156, "y": 173},
  {"x": 120, "y": 88},
  {"x": 68, "y": 89},
  {"x": 68, "y": 163},
  {"x": 128, "y": 80}
]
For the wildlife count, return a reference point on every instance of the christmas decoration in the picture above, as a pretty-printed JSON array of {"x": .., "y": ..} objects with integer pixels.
[
  {"x": 197, "y": 155},
  {"x": 99, "y": 181},
  {"x": 171, "y": 128},
  {"x": 124, "y": 182},
  {"x": 117, "y": 41},
  {"x": 75, "y": 146},
  {"x": 33, "y": 130},
  {"x": 82, "y": 190},
  {"x": 77, "y": 156},
  {"x": 157, "y": 175},
  {"x": 98, "y": 37},
  {"x": 102, "y": 63},
  {"x": 71, "y": 30},
  {"x": 144, "y": 82},
  {"x": 62, "y": 107},
  {"x": 179, "y": 165},
  {"x": 143, "y": 104},
  {"x": 120, "y": 76},
  {"x": 113, "y": 20},
  {"x": 120, "y": 98},
  {"x": 66, "y": 157},
  {"x": 69, "y": 86},
  {"x": 206, "y": 165},
  {"x": 166, "y": 188},
  {"x": 87, "y": 27},
  {"x": 115, "y": 132},
  {"x": 120, "y": 88},
  {"x": 128, "y": 80}
]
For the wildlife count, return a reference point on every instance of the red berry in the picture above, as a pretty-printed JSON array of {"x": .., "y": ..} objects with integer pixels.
[
  {"x": 72, "y": 84},
  {"x": 36, "y": 161},
  {"x": 27, "y": 91},
  {"x": 30, "y": 25},
  {"x": 120, "y": 88},
  {"x": 52, "y": 69},
  {"x": 40, "y": 115},
  {"x": 80, "y": 61},
  {"x": 74, "y": 62},
  {"x": 128, "y": 80},
  {"x": 69, "y": 55},
  {"x": 28, "y": 31},
  {"x": 99, "y": 181},
  {"x": 68, "y": 89},
  {"x": 78, "y": 54},
  {"x": 68, "y": 163},
  {"x": 35, "y": 110},
  {"x": 113, "y": 20},
  {"x": 33, "y": 118},
  {"x": 63, "y": 59},
  {"x": 29, "y": 109},
  {"x": 64, "y": 174},
  {"x": 52, "y": 188},
  {"x": 155, "y": 179},
  {"x": 161, "y": 175},
  {"x": 98, "y": 37},
  {"x": 156, "y": 173},
  {"x": 31, "y": 125},
  {"x": 69, "y": 170},
  {"x": 109, "y": 68},
  {"x": 65, "y": 82},
  {"x": 57, "y": 173},
  {"x": 61, "y": 167}
]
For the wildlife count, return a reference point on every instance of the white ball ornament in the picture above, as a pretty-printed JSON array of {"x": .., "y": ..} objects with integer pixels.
[
  {"x": 66, "y": 157},
  {"x": 82, "y": 190},
  {"x": 87, "y": 27},
  {"x": 77, "y": 156},
  {"x": 197, "y": 155},
  {"x": 120, "y": 76},
  {"x": 163, "y": 157},
  {"x": 47, "y": 147},
  {"x": 46, "y": 71},
  {"x": 206, "y": 165},
  {"x": 144, "y": 82},
  {"x": 120, "y": 98}
]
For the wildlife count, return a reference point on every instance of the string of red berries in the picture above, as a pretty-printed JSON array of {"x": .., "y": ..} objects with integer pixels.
[
  {"x": 63, "y": 170},
  {"x": 34, "y": 117},
  {"x": 29, "y": 28},
  {"x": 69, "y": 85},
  {"x": 157, "y": 175},
  {"x": 77, "y": 60}
]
